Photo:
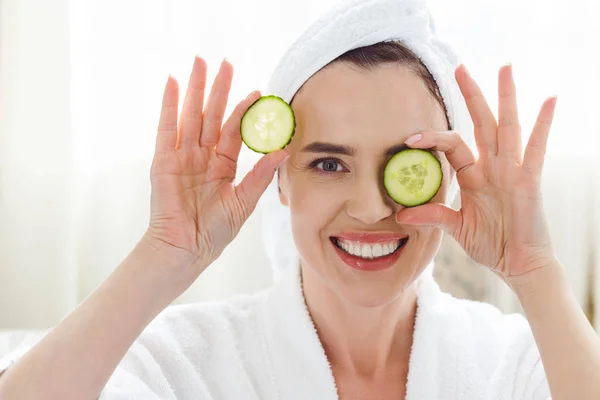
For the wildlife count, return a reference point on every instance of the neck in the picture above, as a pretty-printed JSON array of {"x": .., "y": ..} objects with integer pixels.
[{"x": 361, "y": 340}]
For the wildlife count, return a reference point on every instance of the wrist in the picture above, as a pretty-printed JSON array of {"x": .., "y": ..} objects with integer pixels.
[
  {"x": 548, "y": 276},
  {"x": 176, "y": 269}
]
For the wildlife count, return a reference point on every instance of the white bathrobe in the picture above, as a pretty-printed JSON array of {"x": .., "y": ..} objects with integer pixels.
[{"x": 264, "y": 346}]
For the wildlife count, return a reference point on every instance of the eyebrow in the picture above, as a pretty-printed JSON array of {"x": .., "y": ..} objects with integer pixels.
[{"x": 324, "y": 147}]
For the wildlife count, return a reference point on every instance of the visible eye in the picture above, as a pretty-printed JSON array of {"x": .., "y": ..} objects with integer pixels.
[{"x": 329, "y": 165}]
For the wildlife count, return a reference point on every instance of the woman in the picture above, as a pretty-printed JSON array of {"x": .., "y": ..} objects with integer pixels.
[{"x": 346, "y": 320}]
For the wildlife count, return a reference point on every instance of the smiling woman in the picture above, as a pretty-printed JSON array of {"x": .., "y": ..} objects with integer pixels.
[
  {"x": 356, "y": 119},
  {"x": 356, "y": 313}
]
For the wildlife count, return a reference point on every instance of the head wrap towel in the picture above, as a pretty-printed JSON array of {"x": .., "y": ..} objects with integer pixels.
[{"x": 347, "y": 26}]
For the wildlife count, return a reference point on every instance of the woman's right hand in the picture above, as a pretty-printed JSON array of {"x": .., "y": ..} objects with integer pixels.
[{"x": 196, "y": 210}]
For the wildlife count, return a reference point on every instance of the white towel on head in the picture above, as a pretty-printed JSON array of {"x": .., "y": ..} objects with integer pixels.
[{"x": 347, "y": 26}]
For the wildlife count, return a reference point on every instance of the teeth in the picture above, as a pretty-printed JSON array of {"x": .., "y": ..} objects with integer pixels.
[
  {"x": 367, "y": 250},
  {"x": 343, "y": 246}
]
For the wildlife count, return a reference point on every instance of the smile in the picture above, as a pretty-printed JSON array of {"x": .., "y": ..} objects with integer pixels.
[{"x": 369, "y": 251}]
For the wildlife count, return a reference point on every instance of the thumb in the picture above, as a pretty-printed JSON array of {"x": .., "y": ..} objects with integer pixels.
[
  {"x": 435, "y": 214},
  {"x": 256, "y": 181}
]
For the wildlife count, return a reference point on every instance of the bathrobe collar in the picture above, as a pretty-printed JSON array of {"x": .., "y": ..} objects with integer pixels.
[{"x": 301, "y": 368}]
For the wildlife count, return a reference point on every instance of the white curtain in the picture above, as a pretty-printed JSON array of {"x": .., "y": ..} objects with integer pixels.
[{"x": 80, "y": 90}]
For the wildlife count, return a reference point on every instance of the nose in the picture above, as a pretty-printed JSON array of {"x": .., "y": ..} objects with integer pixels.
[{"x": 370, "y": 202}]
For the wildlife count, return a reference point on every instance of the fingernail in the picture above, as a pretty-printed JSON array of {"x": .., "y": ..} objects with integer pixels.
[
  {"x": 225, "y": 60},
  {"x": 466, "y": 70},
  {"x": 404, "y": 219},
  {"x": 414, "y": 139},
  {"x": 251, "y": 94}
]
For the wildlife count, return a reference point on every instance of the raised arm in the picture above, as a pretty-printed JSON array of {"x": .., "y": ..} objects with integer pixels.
[
  {"x": 501, "y": 225},
  {"x": 196, "y": 211}
]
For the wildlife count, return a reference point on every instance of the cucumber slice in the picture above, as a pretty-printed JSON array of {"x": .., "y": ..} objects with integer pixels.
[
  {"x": 412, "y": 177},
  {"x": 268, "y": 124}
]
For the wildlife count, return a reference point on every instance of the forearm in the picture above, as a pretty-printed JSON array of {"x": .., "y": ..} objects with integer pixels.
[
  {"x": 76, "y": 359},
  {"x": 569, "y": 347}
]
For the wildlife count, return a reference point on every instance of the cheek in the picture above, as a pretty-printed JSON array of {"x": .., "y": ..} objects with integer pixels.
[{"x": 314, "y": 203}]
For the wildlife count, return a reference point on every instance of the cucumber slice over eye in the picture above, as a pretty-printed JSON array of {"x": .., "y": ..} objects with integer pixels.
[
  {"x": 412, "y": 177},
  {"x": 268, "y": 124}
]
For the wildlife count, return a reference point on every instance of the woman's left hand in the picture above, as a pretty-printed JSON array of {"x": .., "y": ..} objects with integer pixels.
[{"x": 501, "y": 223}]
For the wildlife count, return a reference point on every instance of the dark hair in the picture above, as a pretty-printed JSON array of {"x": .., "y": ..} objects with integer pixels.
[{"x": 369, "y": 57}]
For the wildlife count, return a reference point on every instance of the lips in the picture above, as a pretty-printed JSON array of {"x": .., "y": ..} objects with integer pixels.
[
  {"x": 371, "y": 264},
  {"x": 368, "y": 250}
]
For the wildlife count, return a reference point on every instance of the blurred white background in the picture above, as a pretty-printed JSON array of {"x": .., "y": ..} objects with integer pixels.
[{"x": 80, "y": 89}]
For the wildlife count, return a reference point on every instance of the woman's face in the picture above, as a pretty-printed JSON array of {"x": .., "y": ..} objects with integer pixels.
[{"x": 347, "y": 122}]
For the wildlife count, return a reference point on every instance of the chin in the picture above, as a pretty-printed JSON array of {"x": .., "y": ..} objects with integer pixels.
[{"x": 373, "y": 292}]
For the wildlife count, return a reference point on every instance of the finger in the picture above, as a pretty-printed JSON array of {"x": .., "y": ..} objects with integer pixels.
[
  {"x": 230, "y": 140},
  {"x": 434, "y": 214},
  {"x": 166, "y": 138},
  {"x": 459, "y": 155},
  {"x": 190, "y": 123},
  {"x": 509, "y": 129},
  {"x": 483, "y": 119},
  {"x": 256, "y": 181},
  {"x": 533, "y": 161},
  {"x": 215, "y": 108}
]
